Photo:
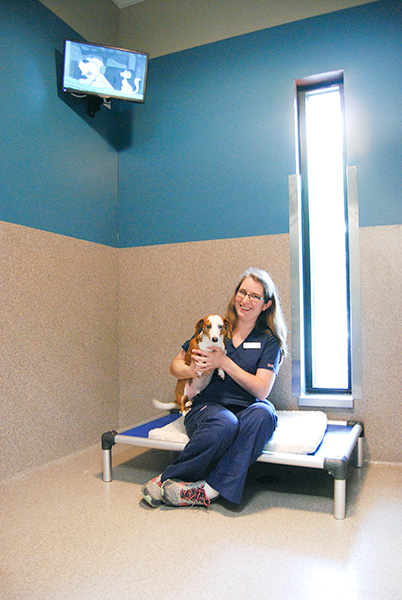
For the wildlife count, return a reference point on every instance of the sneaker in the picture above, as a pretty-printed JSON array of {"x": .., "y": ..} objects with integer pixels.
[
  {"x": 151, "y": 492},
  {"x": 177, "y": 493}
]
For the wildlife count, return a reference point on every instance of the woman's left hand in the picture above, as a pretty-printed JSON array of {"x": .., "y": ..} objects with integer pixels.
[
  {"x": 258, "y": 385},
  {"x": 207, "y": 361}
]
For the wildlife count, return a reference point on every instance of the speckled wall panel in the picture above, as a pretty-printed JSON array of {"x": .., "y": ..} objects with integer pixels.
[
  {"x": 58, "y": 353},
  {"x": 164, "y": 290},
  {"x": 381, "y": 292},
  {"x": 60, "y": 333}
]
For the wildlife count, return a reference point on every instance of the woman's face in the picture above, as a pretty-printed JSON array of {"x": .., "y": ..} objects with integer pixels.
[{"x": 249, "y": 300}]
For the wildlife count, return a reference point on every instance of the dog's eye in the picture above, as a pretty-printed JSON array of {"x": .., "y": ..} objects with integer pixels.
[
  {"x": 208, "y": 326},
  {"x": 220, "y": 326}
]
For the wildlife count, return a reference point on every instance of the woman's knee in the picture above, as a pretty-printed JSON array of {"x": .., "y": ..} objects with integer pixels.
[
  {"x": 260, "y": 415},
  {"x": 220, "y": 423},
  {"x": 225, "y": 424}
]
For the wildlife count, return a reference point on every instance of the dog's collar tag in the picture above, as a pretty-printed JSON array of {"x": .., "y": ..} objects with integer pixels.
[{"x": 251, "y": 345}]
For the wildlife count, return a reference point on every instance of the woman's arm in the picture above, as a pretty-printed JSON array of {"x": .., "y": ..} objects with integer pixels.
[
  {"x": 258, "y": 385},
  {"x": 179, "y": 369}
]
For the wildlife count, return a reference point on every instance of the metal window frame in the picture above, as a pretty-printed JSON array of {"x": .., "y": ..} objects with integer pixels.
[{"x": 308, "y": 396}]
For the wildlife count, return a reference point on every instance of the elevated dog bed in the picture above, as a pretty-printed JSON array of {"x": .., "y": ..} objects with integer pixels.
[{"x": 302, "y": 438}]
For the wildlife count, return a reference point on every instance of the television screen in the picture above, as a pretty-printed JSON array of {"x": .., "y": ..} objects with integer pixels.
[{"x": 104, "y": 71}]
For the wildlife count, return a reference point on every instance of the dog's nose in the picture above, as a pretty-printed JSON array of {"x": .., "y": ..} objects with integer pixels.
[{"x": 215, "y": 339}]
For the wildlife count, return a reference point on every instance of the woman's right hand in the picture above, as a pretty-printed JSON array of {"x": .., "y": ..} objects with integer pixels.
[{"x": 180, "y": 369}]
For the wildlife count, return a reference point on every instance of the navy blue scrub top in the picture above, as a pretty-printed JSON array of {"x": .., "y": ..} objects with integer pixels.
[{"x": 258, "y": 351}]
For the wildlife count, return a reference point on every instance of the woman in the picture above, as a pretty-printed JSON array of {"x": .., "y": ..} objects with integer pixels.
[{"x": 231, "y": 420}]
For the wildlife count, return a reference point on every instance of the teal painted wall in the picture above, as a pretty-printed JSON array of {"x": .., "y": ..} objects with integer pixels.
[
  {"x": 214, "y": 144},
  {"x": 58, "y": 166}
]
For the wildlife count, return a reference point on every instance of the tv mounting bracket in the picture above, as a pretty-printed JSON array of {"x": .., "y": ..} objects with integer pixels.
[{"x": 95, "y": 103}]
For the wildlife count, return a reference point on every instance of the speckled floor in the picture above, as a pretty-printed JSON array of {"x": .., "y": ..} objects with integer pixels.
[{"x": 66, "y": 534}]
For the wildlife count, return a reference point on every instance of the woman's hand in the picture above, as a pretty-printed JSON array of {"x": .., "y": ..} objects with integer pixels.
[
  {"x": 180, "y": 369},
  {"x": 258, "y": 385},
  {"x": 204, "y": 362},
  {"x": 208, "y": 361}
]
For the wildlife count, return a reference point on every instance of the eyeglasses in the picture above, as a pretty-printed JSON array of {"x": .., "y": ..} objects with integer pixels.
[{"x": 253, "y": 297}]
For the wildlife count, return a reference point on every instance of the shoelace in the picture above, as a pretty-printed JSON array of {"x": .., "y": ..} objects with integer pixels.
[
  {"x": 156, "y": 480},
  {"x": 195, "y": 495}
]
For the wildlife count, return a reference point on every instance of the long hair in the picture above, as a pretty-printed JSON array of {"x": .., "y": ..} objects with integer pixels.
[{"x": 271, "y": 319}]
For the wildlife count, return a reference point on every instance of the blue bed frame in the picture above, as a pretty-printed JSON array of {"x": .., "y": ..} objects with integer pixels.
[{"x": 342, "y": 443}]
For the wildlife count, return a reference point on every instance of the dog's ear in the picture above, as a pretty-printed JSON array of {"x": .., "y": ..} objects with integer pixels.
[
  {"x": 199, "y": 326},
  {"x": 227, "y": 328}
]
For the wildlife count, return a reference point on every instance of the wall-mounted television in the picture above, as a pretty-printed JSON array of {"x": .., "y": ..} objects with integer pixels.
[{"x": 104, "y": 71}]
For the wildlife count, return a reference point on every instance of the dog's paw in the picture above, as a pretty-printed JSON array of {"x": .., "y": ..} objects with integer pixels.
[
  {"x": 221, "y": 373},
  {"x": 187, "y": 407}
]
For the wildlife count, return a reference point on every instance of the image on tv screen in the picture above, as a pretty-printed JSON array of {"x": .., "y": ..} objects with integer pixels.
[{"x": 104, "y": 71}]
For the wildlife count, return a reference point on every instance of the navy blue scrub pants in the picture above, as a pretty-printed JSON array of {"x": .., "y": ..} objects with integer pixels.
[{"x": 223, "y": 445}]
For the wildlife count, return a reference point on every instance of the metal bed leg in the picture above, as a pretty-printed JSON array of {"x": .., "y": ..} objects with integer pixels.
[
  {"x": 337, "y": 467},
  {"x": 107, "y": 465},
  {"x": 339, "y": 498},
  {"x": 107, "y": 444},
  {"x": 358, "y": 456}
]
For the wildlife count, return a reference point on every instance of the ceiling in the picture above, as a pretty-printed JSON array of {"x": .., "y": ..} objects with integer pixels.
[{"x": 124, "y": 3}]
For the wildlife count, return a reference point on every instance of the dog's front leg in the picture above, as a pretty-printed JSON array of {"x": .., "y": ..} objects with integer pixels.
[{"x": 194, "y": 345}]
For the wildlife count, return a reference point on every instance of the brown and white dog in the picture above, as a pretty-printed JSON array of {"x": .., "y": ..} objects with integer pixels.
[{"x": 210, "y": 331}]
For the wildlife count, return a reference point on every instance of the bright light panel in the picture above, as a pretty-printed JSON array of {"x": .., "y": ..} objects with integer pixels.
[{"x": 329, "y": 298}]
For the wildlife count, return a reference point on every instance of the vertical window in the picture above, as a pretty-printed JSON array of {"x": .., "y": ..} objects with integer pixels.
[{"x": 324, "y": 242}]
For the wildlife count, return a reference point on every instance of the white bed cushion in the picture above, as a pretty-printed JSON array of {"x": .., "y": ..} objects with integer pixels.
[
  {"x": 298, "y": 432},
  {"x": 173, "y": 432}
]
